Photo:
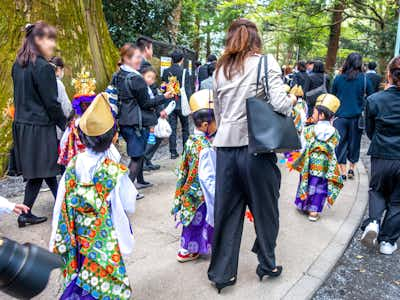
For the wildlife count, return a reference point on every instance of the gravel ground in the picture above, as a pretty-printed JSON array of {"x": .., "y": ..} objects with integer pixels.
[{"x": 363, "y": 273}]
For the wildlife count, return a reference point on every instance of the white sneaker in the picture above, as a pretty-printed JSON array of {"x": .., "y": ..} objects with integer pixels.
[
  {"x": 387, "y": 248},
  {"x": 370, "y": 235}
]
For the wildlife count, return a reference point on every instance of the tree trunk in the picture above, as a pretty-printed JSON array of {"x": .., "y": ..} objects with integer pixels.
[
  {"x": 83, "y": 40},
  {"x": 208, "y": 39},
  {"x": 334, "y": 36},
  {"x": 196, "y": 40},
  {"x": 176, "y": 19}
]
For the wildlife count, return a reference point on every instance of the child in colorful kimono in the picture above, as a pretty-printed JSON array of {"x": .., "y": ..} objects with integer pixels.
[
  {"x": 320, "y": 179},
  {"x": 195, "y": 189},
  {"x": 91, "y": 230},
  {"x": 70, "y": 143}
]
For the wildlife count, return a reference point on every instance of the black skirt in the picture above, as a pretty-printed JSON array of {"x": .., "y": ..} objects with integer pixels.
[{"x": 35, "y": 150}]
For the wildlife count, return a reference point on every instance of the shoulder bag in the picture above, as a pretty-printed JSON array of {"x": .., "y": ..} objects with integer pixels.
[
  {"x": 269, "y": 131},
  {"x": 184, "y": 99},
  {"x": 361, "y": 119},
  {"x": 314, "y": 93}
]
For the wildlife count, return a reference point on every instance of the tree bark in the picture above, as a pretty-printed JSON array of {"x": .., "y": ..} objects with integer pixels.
[
  {"x": 334, "y": 36},
  {"x": 176, "y": 19},
  {"x": 83, "y": 40},
  {"x": 197, "y": 41}
]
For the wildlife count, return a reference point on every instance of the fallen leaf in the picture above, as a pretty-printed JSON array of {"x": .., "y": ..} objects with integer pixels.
[
  {"x": 397, "y": 282},
  {"x": 359, "y": 256},
  {"x": 363, "y": 270}
]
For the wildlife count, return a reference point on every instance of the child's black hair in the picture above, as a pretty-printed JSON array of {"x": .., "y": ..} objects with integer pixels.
[
  {"x": 149, "y": 69},
  {"x": 203, "y": 115},
  {"x": 328, "y": 115},
  {"x": 98, "y": 143}
]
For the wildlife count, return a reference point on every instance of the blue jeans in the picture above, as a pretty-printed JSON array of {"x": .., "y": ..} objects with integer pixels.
[{"x": 350, "y": 140}]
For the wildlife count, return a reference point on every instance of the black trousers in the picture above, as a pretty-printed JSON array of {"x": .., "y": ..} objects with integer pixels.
[
  {"x": 173, "y": 121},
  {"x": 244, "y": 180},
  {"x": 33, "y": 186},
  {"x": 384, "y": 195},
  {"x": 350, "y": 140},
  {"x": 152, "y": 149}
]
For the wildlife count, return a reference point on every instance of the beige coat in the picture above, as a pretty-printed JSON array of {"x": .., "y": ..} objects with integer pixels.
[{"x": 230, "y": 100}]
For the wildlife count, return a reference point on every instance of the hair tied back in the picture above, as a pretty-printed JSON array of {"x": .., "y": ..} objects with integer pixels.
[{"x": 29, "y": 28}]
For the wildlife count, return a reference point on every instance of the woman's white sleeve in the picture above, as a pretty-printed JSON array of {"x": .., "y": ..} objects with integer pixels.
[
  {"x": 207, "y": 169},
  {"x": 6, "y": 206},
  {"x": 56, "y": 211},
  {"x": 279, "y": 99}
]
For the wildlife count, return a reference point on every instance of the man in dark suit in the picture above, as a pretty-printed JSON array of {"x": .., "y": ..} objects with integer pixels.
[
  {"x": 145, "y": 45},
  {"x": 375, "y": 78},
  {"x": 203, "y": 70},
  {"x": 177, "y": 70}
]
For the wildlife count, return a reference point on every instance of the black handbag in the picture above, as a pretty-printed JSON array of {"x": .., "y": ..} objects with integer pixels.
[{"x": 269, "y": 131}]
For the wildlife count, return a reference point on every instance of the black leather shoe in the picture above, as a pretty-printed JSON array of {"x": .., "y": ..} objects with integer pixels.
[
  {"x": 261, "y": 273},
  {"x": 143, "y": 185},
  {"x": 174, "y": 155},
  {"x": 148, "y": 166},
  {"x": 30, "y": 219}
]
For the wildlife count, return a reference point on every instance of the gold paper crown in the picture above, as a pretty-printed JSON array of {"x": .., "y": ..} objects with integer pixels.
[
  {"x": 297, "y": 90},
  {"x": 202, "y": 99},
  {"x": 328, "y": 101},
  {"x": 83, "y": 83},
  {"x": 97, "y": 119}
]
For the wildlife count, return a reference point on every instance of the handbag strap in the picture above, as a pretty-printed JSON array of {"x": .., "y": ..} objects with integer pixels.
[{"x": 264, "y": 59}]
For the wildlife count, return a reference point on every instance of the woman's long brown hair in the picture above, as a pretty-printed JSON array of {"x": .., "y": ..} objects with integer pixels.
[
  {"x": 29, "y": 50},
  {"x": 242, "y": 40}
]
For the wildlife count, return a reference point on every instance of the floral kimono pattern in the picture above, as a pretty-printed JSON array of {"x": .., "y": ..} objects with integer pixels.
[
  {"x": 188, "y": 195},
  {"x": 72, "y": 147},
  {"x": 85, "y": 230},
  {"x": 319, "y": 160}
]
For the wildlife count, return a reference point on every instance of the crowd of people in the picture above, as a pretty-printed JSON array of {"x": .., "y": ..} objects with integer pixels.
[{"x": 218, "y": 177}]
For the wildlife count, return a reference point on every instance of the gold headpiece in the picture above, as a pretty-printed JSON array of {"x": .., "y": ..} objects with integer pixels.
[
  {"x": 97, "y": 119},
  {"x": 83, "y": 83},
  {"x": 328, "y": 101},
  {"x": 297, "y": 90},
  {"x": 202, "y": 99}
]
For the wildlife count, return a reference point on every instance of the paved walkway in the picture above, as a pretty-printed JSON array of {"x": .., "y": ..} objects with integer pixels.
[{"x": 308, "y": 251}]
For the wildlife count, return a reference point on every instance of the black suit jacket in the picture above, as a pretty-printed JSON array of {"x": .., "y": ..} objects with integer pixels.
[
  {"x": 376, "y": 80},
  {"x": 203, "y": 72},
  {"x": 35, "y": 94},
  {"x": 177, "y": 70},
  {"x": 383, "y": 124}
]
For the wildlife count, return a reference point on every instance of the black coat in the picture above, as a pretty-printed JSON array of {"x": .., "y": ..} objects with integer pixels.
[
  {"x": 383, "y": 124},
  {"x": 317, "y": 79},
  {"x": 302, "y": 79},
  {"x": 136, "y": 106},
  {"x": 375, "y": 79},
  {"x": 37, "y": 112},
  {"x": 203, "y": 72},
  {"x": 177, "y": 70}
]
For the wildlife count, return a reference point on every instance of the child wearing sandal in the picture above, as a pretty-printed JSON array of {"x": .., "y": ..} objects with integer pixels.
[
  {"x": 320, "y": 180},
  {"x": 195, "y": 188}
]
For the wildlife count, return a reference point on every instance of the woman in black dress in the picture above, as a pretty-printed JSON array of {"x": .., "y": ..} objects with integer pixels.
[{"x": 37, "y": 113}]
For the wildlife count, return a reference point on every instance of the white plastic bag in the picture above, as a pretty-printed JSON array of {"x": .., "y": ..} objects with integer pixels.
[
  {"x": 170, "y": 107},
  {"x": 162, "y": 129},
  {"x": 184, "y": 99}
]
